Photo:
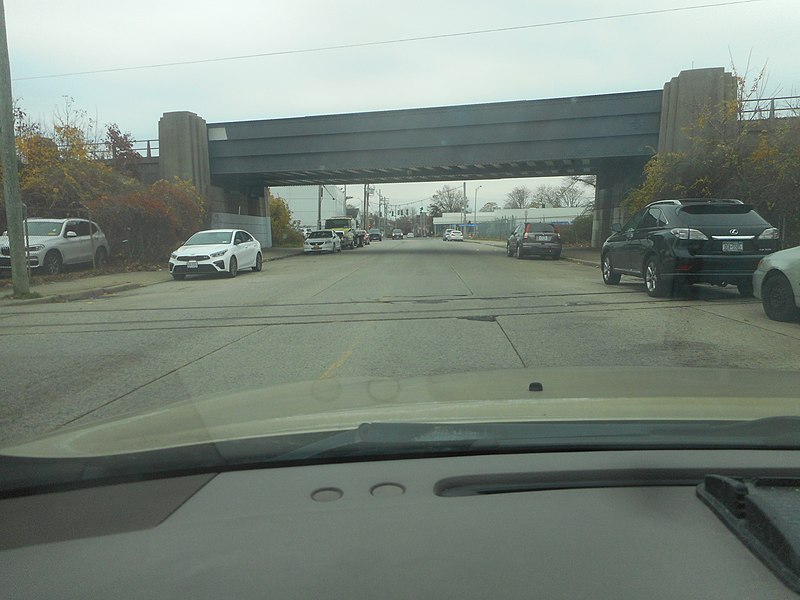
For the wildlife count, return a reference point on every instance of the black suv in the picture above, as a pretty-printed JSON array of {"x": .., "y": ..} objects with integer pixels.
[
  {"x": 671, "y": 243},
  {"x": 534, "y": 239}
]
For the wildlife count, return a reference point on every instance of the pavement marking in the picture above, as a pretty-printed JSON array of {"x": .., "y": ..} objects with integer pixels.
[{"x": 328, "y": 373}]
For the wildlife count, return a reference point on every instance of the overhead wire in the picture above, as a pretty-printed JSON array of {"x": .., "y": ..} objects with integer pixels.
[{"x": 406, "y": 40}]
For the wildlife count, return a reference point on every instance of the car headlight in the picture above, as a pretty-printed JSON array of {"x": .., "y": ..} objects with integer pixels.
[
  {"x": 218, "y": 254},
  {"x": 770, "y": 233},
  {"x": 36, "y": 248},
  {"x": 173, "y": 255}
]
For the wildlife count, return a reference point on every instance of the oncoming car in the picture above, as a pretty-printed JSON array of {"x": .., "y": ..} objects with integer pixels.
[
  {"x": 324, "y": 240},
  {"x": 53, "y": 243},
  {"x": 216, "y": 251}
]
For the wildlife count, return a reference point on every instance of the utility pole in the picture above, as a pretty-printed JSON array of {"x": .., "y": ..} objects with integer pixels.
[
  {"x": 8, "y": 158},
  {"x": 319, "y": 204}
]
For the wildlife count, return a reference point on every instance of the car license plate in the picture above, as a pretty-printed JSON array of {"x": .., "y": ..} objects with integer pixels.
[
  {"x": 192, "y": 264},
  {"x": 732, "y": 246},
  {"x": 315, "y": 247},
  {"x": 541, "y": 238}
]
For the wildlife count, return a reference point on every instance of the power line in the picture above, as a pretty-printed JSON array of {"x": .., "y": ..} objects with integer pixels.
[{"x": 392, "y": 41}]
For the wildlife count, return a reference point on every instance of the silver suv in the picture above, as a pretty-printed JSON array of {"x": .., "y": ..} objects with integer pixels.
[{"x": 53, "y": 243}]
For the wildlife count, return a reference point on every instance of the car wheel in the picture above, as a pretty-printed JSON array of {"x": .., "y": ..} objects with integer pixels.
[
  {"x": 509, "y": 253},
  {"x": 609, "y": 276},
  {"x": 519, "y": 253},
  {"x": 259, "y": 263},
  {"x": 100, "y": 258},
  {"x": 745, "y": 289},
  {"x": 778, "y": 299},
  {"x": 179, "y": 276},
  {"x": 233, "y": 267},
  {"x": 557, "y": 255},
  {"x": 52, "y": 263},
  {"x": 653, "y": 279}
]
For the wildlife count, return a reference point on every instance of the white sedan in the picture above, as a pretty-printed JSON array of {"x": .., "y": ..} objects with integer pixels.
[
  {"x": 324, "y": 240},
  {"x": 216, "y": 251},
  {"x": 776, "y": 281},
  {"x": 456, "y": 236}
]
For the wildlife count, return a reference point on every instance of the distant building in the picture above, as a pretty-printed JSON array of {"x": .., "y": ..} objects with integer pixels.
[{"x": 303, "y": 202}]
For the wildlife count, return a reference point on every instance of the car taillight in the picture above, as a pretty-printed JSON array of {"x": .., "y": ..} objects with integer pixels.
[
  {"x": 770, "y": 233},
  {"x": 684, "y": 233}
]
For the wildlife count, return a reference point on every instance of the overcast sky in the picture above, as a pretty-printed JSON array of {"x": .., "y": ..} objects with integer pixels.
[{"x": 576, "y": 48}]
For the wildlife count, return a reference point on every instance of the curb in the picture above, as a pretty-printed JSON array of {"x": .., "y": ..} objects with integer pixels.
[
  {"x": 104, "y": 291},
  {"x": 84, "y": 295}
]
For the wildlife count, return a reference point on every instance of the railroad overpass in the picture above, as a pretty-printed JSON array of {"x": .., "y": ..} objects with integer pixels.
[{"x": 611, "y": 136}]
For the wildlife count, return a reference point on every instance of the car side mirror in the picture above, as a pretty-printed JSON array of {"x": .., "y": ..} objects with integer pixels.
[
  {"x": 616, "y": 227},
  {"x": 71, "y": 234}
]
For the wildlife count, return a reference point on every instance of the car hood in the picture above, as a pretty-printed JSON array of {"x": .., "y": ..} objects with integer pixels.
[
  {"x": 567, "y": 394},
  {"x": 33, "y": 239},
  {"x": 202, "y": 249}
]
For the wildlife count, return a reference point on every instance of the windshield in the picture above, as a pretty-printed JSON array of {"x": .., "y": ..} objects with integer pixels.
[
  {"x": 337, "y": 223},
  {"x": 47, "y": 228},
  {"x": 209, "y": 237},
  {"x": 471, "y": 128}
]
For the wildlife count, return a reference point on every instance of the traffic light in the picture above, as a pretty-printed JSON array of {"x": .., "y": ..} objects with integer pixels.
[{"x": 420, "y": 210}]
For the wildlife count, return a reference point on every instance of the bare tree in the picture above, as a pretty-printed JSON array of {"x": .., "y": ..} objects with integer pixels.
[
  {"x": 447, "y": 199},
  {"x": 547, "y": 195},
  {"x": 519, "y": 197},
  {"x": 490, "y": 207}
]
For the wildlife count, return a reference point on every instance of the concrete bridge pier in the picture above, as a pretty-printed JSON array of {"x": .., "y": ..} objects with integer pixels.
[{"x": 614, "y": 180}]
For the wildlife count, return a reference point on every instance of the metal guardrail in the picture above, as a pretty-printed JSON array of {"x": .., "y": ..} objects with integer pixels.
[{"x": 771, "y": 108}]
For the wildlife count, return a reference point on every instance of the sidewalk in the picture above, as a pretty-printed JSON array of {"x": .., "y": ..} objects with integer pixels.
[
  {"x": 85, "y": 285},
  {"x": 577, "y": 254}
]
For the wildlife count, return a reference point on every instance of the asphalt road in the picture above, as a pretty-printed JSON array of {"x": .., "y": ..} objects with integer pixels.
[{"x": 395, "y": 308}]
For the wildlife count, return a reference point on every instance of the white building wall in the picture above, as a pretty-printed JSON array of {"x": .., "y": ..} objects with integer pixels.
[{"x": 302, "y": 201}]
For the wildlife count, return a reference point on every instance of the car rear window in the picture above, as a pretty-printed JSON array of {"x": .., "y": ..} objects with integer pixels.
[
  {"x": 320, "y": 234},
  {"x": 720, "y": 214}
]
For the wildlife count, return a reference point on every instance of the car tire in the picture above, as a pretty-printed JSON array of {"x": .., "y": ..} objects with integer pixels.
[
  {"x": 557, "y": 255},
  {"x": 100, "y": 258},
  {"x": 654, "y": 282},
  {"x": 778, "y": 299},
  {"x": 179, "y": 276},
  {"x": 509, "y": 253},
  {"x": 745, "y": 289},
  {"x": 607, "y": 269},
  {"x": 52, "y": 263},
  {"x": 519, "y": 253},
  {"x": 233, "y": 267},
  {"x": 259, "y": 263}
]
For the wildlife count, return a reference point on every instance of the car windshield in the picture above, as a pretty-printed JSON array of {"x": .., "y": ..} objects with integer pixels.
[
  {"x": 510, "y": 140},
  {"x": 44, "y": 228},
  {"x": 209, "y": 237}
]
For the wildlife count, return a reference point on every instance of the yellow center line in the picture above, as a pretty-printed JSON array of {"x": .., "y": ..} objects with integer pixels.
[{"x": 328, "y": 373}]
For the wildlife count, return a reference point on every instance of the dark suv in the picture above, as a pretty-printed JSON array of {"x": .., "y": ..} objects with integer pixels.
[
  {"x": 534, "y": 239},
  {"x": 672, "y": 243}
]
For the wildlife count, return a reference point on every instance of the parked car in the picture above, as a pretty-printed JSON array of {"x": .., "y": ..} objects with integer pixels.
[
  {"x": 409, "y": 235},
  {"x": 455, "y": 236},
  {"x": 216, "y": 251},
  {"x": 362, "y": 237},
  {"x": 534, "y": 239},
  {"x": 53, "y": 243},
  {"x": 446, "y": 234},
  {"x": 397, "y": 234},
  {"x": 375, "y": 234},
  {"x": 672, "y": 243},
  {"x": 776, "y": 282},
  {"x": 324, "y": 240}
]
